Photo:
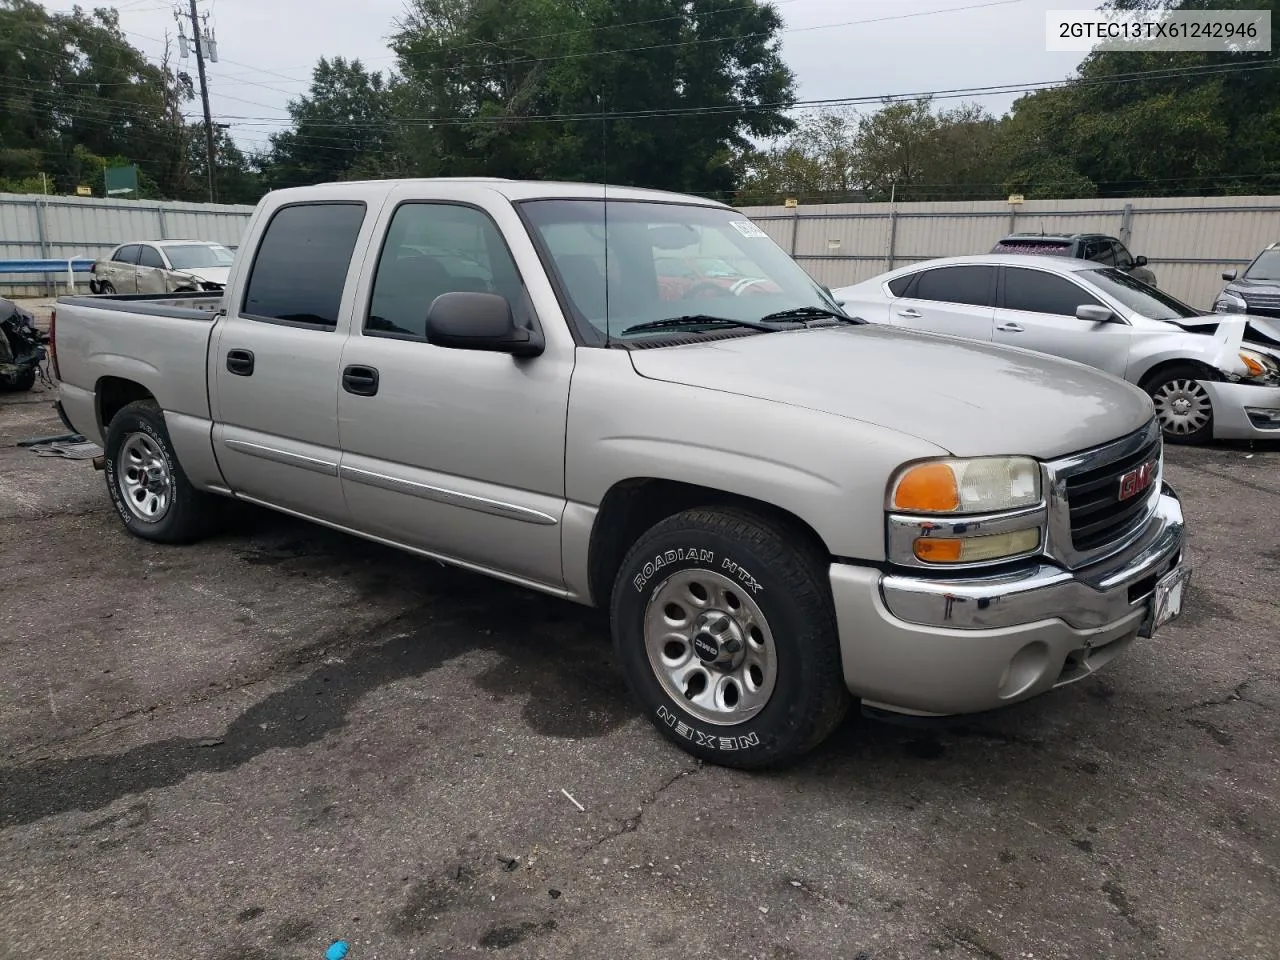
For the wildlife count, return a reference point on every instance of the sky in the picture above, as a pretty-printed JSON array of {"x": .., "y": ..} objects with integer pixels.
[{"x": 836, "y": 48}]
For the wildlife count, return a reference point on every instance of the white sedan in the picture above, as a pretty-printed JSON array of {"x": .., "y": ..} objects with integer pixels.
[{"x": 1210, "y": 376}]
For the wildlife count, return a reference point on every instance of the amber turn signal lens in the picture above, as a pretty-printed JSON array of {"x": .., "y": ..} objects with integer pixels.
[
  {"x": 929, "y": 487},
  {"x": 1255, "y": 368},
  {"x": 994, "y": 546},
  {"x": 938, "y": 551}
]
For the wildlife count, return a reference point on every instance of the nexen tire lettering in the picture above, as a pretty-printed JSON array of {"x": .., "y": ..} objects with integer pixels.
[
  {"x": 706, "y": 739},
  {"x": 669, "y": 557}
]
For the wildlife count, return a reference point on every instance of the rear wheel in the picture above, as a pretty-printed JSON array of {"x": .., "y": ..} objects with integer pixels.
[
  {"x": 147, "y": 484},
  {"x": 1183, "y": 406},
  {"x": 106, "y": 287},
  {"x": 725, "y": 629}
]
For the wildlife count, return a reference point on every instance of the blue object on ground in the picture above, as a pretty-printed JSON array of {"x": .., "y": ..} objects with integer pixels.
[{"x": 337, "y": 950}]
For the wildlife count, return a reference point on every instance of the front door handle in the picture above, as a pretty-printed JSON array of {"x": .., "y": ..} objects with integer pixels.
[
  {"x": 910, "y": 314},
  {"x": 362, "y": 381},
  {"x": 1010, "y": 328},
  {"x": 240, "y": 362}
]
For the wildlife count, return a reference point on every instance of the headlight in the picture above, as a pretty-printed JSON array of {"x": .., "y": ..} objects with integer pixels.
[
  {"x": 1228, "y": 302},
  {"x": 985, "y": 485},
  {"x": 1259, "y": 365}
]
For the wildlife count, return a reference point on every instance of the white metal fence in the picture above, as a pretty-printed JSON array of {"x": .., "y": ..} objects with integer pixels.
[
  {"x": 1188, "y": 241},
  {"x": 60, "y": 228}
]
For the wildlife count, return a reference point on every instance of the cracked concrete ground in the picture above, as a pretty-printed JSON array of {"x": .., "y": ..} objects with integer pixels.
[{"x": 245, "y": 749}]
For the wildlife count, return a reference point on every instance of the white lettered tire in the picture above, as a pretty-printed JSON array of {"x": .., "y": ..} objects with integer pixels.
[
  {"x": 147, "y": 484},
  {"x": 726, "y": 633}
]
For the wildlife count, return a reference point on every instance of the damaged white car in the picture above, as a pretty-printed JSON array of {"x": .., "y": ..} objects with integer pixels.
[{"x": 1210, "y": 376}]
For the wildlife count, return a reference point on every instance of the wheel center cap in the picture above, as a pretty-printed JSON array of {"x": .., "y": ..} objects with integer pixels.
[{"x": 717, "y": 640}]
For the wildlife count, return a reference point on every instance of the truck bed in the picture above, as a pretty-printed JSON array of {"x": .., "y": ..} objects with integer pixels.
[{"x": 159, "y": 342}]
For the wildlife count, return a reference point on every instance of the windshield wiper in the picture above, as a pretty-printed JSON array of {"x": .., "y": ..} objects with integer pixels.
[
  {"x": 800, "y": 313},
  {"x": 698, "y": 320}
]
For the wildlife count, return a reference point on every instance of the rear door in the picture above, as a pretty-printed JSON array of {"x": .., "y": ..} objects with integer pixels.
[
  {"x": 457, "y": 452},
  {"x": 1037, "y": 310},
  {"x": 151, "y": 270},
  {"x": 958, "y": 300},
  {"x": 122, "y": 269},
  {"x": 276, "y": 361}
]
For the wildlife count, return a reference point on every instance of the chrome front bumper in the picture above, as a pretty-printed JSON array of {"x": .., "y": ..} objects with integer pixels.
[
  {"x": 1093, "y": 597},
  {"x": 926, "y": 645}
]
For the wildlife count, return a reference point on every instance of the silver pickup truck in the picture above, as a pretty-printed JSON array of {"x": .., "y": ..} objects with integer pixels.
[{"x": 637, "y": 400}]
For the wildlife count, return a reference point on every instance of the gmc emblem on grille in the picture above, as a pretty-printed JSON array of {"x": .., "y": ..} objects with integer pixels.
[{"x": 1137, "y": 480}]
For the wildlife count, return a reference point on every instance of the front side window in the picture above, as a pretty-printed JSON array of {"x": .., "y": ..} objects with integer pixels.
[
  {"x": 970, "y": 285},
  {"x": 1123, "y": 259},
  {"x": 1100, "y": 251},
  {"x": 300, "y": 267},
  {"x": 150, "y": 257},
  {"x": 435, "y": 248},
  {"x": 644, "y": 262},
  {"x": 1035, "y": 291},
  {"x": 193, "y": 256}
]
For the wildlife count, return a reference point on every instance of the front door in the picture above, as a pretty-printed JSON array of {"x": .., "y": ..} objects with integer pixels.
[
  {"x": 956, "y": 300},
  {"x": 1038, "y": 311},
  {"x": 456, "y": 452},
  {"x": 275, "y": 365}
]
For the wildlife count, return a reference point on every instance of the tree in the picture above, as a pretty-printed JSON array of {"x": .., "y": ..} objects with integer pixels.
[
  {"x": 72, "y": 88},
  {"x": 341, "y": 128},
  {"x": 662, "y": 93},
  {"x": 1197, "y": 122},
  {"x": 818, "y": 162}
]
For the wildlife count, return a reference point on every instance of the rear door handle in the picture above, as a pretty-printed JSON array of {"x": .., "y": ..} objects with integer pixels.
[
  {"x": 362, "y": 381},
  {"x": 240, "y": 362},
  {"x": 1010, "y": 328},
  {"x": 910, "y": 314}
]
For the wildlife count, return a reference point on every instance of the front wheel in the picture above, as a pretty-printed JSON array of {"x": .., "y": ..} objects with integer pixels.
[
  {"x": 147, "y": 484},
  {"x": 1183, "y": 406},
  {"x": 726, "y": 632}
]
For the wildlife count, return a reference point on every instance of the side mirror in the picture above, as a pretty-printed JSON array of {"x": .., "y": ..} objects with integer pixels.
[
  {"x": 1094, "y": 314},
  {"x": 479, "y": 321},
  {"x": 1229, "y": 276},
  {"x": 1139, "y": 261}
]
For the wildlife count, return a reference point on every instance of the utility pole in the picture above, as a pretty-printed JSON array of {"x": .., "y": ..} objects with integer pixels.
[{"x": 198, "y": 39}]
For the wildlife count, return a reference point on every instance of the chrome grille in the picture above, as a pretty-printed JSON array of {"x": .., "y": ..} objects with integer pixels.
[
  {"x": 1256, "y": 298},
  {"x": 1098, "y": 515},
  {"x": 1087, "y": 519}
]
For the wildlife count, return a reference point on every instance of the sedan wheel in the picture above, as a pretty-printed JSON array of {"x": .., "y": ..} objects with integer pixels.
[{"x": 1183, "y": 408}]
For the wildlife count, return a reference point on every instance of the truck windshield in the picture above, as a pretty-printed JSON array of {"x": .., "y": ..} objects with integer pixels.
[
  {"x": 190, "y": 256},
  {"x": 1138, "y": 296},
  {"x": 659, "y": 261}
]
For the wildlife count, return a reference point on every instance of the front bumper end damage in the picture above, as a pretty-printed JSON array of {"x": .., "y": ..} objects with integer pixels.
[
  {"x": 1244, "y": 411},
  {"x": 941, "y": 646}
]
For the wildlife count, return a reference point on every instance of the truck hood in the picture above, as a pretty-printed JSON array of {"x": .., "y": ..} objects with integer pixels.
[
  {"x": 971, "y": 399},
  {"x": 208, "y": 274}
]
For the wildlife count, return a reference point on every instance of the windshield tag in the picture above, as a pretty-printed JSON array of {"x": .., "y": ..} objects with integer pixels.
[{"x": 747, "y": 228}]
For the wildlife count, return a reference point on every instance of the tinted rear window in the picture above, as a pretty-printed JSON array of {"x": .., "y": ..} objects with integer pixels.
[
  {"x": 898, "y": 286},
  {"x": 300, "y": 267},
  {"x": 969, "y": 285}
]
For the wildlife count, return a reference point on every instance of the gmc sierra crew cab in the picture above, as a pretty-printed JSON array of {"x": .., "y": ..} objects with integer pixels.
[{"x": 637, "y": 400}]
